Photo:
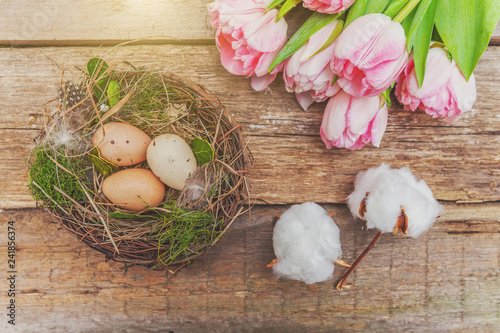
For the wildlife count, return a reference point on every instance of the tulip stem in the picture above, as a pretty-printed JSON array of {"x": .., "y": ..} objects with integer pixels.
[
  {"x": 395, "y": 7},
  {"x": 406, "y": 10},
  {"x": 361, "y": 256},
  {"x": 287, "y": 6}
]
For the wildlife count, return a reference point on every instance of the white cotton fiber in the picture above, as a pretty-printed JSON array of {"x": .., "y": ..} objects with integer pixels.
[
  {"x": 306, "y": 242},
  {"x": 391, "y": 190}
]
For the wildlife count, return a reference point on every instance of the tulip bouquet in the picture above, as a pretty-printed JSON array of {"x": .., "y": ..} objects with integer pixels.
[{"x": 353, "y": 53}]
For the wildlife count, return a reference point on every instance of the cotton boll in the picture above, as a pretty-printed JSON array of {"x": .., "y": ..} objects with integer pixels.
[
  {"x": 306, "y": 242},
  {"x": 365, "y": 181},
  {"x": 423, "y": 208},
  {"x": 393, "y": 192}
]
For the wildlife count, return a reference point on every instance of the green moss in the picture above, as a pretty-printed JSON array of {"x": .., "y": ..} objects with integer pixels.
[
  {"x": 146, "y": 108},
  {"x": 185, "y": 233},
  {"x": 45, "y": 174}
]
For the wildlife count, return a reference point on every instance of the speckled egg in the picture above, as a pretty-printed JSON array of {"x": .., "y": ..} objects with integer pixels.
[
  {"x": 133, "y": 188},
  {"x": 121, "y": 143},
  {"x": 171, "y": 159}
]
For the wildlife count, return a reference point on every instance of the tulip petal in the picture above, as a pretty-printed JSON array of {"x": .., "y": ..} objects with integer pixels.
[
  {"x": 264, "y": 34},
  {"x": 260, "y": 83},
  {"x": 357, "y": 39},
  {"x": 354, "y": 84},
  {"x": 437, "y": 75},
  {"x": 227, "y": 55},
  {"x": 369, "y": 55},
  {"x": 378, "y": 126},
  {"x": 361, "y": 113},
  {"x": 317, "y": 40},
  {"x": 380, "y": 77},
  {"x": 334, "y": 118},
  {"x": 388, "y": 45},
  {"x": 305, "y": 100},
  {"x": 462, "y": 91},
  {"x": 444, "y": 93}
]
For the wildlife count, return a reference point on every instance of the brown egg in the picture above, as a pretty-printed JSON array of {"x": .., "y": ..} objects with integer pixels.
[
  {"x": 121, "y": 144},
  {"x": 134, "y": 189}
]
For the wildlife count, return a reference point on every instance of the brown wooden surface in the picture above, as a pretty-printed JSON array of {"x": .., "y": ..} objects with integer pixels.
[
  {"x": 460, "y": 162},
  {"x": 446, "y": 280},
  {"x": 95, "y": 22}
]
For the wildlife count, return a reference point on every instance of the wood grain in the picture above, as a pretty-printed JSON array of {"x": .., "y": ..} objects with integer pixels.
[
  {"x": 460, "y": 162},
  {"x": 495, "y": 38},
  {"x": 109, "y": 22},
  {"x": 102, "y": 20},
  {"x": 445, "y": 280}
]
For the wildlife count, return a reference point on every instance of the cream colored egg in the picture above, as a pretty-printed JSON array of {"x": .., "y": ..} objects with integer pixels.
[
  {"x": 171, "y": 159},
  {"x": 121, "y": 144},
  {"x": 134, "y": 189}
]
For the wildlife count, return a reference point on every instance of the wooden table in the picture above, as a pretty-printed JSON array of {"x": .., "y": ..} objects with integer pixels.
[{"x": 446, "y": 280}]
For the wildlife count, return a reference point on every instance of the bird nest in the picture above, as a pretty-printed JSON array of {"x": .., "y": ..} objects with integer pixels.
[{"x": 66, "y": 173}]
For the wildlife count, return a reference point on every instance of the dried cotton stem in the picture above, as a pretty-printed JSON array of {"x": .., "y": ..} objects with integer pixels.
[{"x": 361, "y": 256}]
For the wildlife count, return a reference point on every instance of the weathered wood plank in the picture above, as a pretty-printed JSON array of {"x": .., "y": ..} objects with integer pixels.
[
  {"x": 495, "y": 39},
  {"x": 445, "y": 280},
  {"x": 28, "y": 21},
  {"x": 110, "y": 22},
  {"x": 96, "y": 22},
  {"x": 460, "y": 162}
]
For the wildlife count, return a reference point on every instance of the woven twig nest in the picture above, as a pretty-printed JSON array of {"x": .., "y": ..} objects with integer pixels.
[{"x": 182, "y": 227}]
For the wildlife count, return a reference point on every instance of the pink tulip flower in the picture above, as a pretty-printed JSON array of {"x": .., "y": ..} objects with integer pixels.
[
  {"x": 445, "y": 92},
  {"x": 328, "y": 6},
  {"x": 308, "y": 73},
  {"x": 248, "y": 38},
  {"x": 352, "y": 122},
  {"x": 369, "y": 55}
]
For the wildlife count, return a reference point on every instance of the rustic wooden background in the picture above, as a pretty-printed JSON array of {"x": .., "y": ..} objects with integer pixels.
[{"x": 446, "y": 280}]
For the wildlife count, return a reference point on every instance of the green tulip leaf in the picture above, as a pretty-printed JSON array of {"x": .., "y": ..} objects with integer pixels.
[
  {"x": 202, "y": 150},
  {"x": 407, "y": 24},
  {"x": 421, "y": 11},
  {"x": 313, "y": 24},
  {"x": 113, "y": 93},
  {"x": 395, "y": 7},
  {"x": 466, "y": 27},
  {"x": 436, "y": 37},
  {"x": 275, "y": 3},
  {"x": 333, "y": 36},
  {"x": 363, "y": 7},
  {"x": 422, "y": 40},
  {"x": 102, "y": 166},
  {"x": 287, "y": 6}
]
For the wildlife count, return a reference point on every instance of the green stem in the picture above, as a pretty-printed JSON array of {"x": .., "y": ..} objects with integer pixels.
[
  {"x": 314, "y": 23},
  {"x": 287, "y": 6},
  {"x": 275, "y": 3},
  {"x": 386, "y": 96},
  {"x": 335, "y": 33},
  {"x": 406, "y": 10},
  {"x": 395, "y": 7}
]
